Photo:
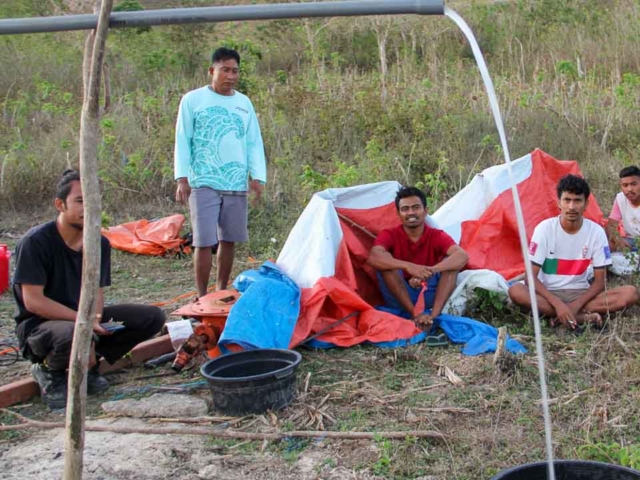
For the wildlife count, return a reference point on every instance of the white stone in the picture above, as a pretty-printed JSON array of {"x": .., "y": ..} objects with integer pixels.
[{"x": 210, "y": 471}]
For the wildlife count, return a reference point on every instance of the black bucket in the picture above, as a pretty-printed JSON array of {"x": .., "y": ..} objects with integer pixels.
[
  {"x": 569, "y": 470},
  {"x": 253, "y": 381}
]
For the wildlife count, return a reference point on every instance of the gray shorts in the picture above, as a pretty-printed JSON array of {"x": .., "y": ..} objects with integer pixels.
[
  {"x": 217, "y": 216},
  {"x": 568, "y": 295}
]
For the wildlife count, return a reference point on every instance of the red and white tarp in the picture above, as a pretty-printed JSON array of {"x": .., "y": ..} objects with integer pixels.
[{"x": 326, "y": 251}]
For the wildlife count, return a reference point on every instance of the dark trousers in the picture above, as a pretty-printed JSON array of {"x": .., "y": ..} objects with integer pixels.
[{"x": 51, "y": 340}]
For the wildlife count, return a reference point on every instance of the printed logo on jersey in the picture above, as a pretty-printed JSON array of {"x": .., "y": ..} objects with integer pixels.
[
  {"x": 607, "y": 252},
  {"x": 533, "y": 246}
]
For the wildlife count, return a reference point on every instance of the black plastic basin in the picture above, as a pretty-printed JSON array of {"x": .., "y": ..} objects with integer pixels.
[
  {"x": 253, "y": 381},
  {"x": 569, "y": 470}
]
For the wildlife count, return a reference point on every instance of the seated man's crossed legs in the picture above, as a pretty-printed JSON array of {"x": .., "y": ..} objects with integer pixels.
[
  {"x": 399, "y": 295},
  {"x": 611, "y": 300}
]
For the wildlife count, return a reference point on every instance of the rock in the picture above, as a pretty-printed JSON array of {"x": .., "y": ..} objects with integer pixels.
[
  {"x": 307, "y": 464},
  {"x": 210, "y": 471},
  {"x": 411, "y": 417},
  {"x": 158, "y": 405}
]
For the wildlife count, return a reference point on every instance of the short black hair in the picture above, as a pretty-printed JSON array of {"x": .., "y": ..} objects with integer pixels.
[
  {"x": 573, "y": 184},
  {"x": 405, "y": 192},
  {"x": 64, "y": 184},
  {"x": 223, "y": 53},
  {"x": 631, "y": 171}
]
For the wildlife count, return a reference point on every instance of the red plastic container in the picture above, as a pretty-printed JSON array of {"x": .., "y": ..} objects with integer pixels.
[{"x": 4, "y": 267}]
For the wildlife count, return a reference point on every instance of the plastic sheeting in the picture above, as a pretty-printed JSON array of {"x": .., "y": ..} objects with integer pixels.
[
  {"x": 326, "y": 251},
  {"x": 478, "y": 337},
  {"x": 625, "y": 263},
  {"x": 468, "y": 281},
  {"x": 143, "y": 237},
  {"x": 265, "y": 315},
  {"x": 330, "y": 300},
  {"x": 491, "y": 239}
]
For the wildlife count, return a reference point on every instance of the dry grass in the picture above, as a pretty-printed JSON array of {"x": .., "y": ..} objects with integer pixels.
[
  {"x": 491, "y": 420},
  {"x": 566, "y": 75}
]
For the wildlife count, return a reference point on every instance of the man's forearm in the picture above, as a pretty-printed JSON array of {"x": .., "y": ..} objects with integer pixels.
[
  {"x": 612, "y": 234},
  {"x": 454, "y": 262},
  {"x": 51, "y": 310},
  {"x": 385, "y": 261},
  {"x": 100, "y": 303},
  {"x": 612, "y": 228}
]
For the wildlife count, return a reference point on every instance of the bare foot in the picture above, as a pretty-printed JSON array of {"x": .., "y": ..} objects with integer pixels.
[
  {"x": 590, "y": 318},
  {"x": 423, "y": 321}
]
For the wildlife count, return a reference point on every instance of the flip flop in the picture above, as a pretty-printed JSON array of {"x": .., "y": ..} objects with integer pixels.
[
  {"x": 578, "y": 331},
  {"x": 437, "y": 340}
]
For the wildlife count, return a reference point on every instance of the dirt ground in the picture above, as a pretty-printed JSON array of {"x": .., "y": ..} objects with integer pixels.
[
  {"x": 185, "y": 457},
  {"x": 491, "y": 420}
]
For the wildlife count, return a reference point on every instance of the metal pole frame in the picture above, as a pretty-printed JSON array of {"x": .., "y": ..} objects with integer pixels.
[{"x": 223, "y": 14}]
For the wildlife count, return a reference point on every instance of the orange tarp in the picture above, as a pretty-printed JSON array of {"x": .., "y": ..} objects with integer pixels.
[
  {"x": 143, "y": 237},
  {"x": 492, "y": 241}
]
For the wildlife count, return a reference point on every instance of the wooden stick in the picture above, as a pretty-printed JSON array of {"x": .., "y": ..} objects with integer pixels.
[
  {"x": 500, "y": 347},
  {"x": 229, "y": 420},
  {"x": 573, "y": 396},
  {"x": 354, "y": 224},
  {"x": 107, "y": 87},
  {"x": 232, "y": 433},
  {"x": 622, "y": 344},
  {"x": 442, "y": 409},
  {"x": 91, "y": 245}
]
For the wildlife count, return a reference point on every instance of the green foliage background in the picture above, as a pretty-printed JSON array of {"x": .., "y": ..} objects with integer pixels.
[{"x": 567, "y": 74}]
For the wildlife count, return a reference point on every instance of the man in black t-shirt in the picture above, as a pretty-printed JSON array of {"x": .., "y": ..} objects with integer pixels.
[{"x": 46, "y": 286}]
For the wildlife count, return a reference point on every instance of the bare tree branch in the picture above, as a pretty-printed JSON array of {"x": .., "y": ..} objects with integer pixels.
[
  {"x": 212, "y": 432},
  {"x": 79, "y": 360}
]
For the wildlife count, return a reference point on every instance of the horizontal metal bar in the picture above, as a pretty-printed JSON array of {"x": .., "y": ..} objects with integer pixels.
[{"x": 224, "y": 14}]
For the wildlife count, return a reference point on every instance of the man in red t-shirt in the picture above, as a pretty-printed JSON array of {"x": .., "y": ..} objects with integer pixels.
[{"x": 412, "y": 253}]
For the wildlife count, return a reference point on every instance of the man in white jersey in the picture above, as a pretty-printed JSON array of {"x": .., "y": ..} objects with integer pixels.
[
  {"x": 626, "y": 209},
  {"x": 218, "y": 146},
  {"x": 561, "y": 250}
]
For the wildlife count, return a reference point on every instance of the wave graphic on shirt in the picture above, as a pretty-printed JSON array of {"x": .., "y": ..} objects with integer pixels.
[{"x": 208, "y": 168}]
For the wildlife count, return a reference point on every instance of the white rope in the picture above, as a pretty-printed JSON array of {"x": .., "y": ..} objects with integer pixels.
[{"x": 521, "y": 231}]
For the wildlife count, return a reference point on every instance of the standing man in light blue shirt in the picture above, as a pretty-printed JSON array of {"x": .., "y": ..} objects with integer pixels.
[{"x": 218, "y": 147}]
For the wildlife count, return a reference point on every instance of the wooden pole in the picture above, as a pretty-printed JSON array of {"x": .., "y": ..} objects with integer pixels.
[
  {"x": 500, "y": 345},
  {"x": 212, "y": 432},
  {"x": 89, "y": 135}
]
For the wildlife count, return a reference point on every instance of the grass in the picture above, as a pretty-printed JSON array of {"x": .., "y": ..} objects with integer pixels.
[
  {"x": 9, "y": 436},
  {"x": 371, "y": 389},
  {"x": 566, "y": 74}
]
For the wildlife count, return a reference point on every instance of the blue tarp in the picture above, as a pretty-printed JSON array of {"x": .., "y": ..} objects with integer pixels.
[
  {"x": 265, "y": 316},
  {"x": 266, "y": 313},
  {"x": 478, "y": 337}
]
